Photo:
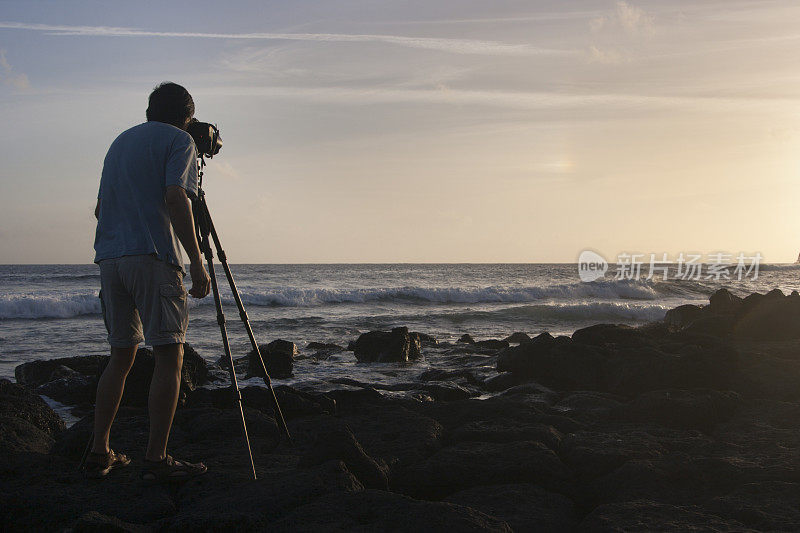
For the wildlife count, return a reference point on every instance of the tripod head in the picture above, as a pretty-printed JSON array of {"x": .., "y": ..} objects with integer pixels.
[{"x": 206, "y": 137}]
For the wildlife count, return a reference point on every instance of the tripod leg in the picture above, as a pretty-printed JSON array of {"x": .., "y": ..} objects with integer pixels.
[
  {"x": 226, "y": 346},
  {"x": 246, "y": 321}
]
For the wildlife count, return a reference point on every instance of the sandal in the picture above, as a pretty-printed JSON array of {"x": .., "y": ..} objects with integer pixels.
[
  {"x": 98, "y": 465},
  {"x": 171, "y": 470}
]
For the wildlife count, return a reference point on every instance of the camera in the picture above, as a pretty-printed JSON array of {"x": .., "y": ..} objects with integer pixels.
[{"x": 206, "y": 137}]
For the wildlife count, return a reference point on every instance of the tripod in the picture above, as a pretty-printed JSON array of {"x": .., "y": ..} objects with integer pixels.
[{"x": 204, "y": 228}]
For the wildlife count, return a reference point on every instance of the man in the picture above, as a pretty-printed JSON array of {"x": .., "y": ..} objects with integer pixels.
[{"x": 143, "y": 212}]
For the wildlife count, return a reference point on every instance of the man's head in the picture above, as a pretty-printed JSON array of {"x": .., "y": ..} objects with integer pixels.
[{"x": 172, "y": 104}]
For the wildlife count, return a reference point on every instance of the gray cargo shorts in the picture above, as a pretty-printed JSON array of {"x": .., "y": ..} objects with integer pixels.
[{"x": 139, "y": 291}]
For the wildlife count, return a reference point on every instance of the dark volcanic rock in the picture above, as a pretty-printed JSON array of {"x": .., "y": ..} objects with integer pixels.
[
  {"x": 470, "y": 464},
  {"x": 524, "y": 507},
  {"x": 771, "y": 316},
  {"x": 775, "y": 317},
  {"x": 688, "y": 424},
  {"x": 94, "y": 521},
  {"x": 722, "y": 302},
  {"x": 600, "y": 334},
  {"x": 503, "y": 430},
  {"x": 36, "y": 373},
  {"x": 643, "y": 515},
  {"x": 490, "y": 344},
  {"x": 764, "y": 506},
  {"x": 194, "y": 371},
  {"x": 518, "y": 359},
  {"x": 339, "y": 443},
  {"x": 278, "y": 357},
  {"x": 19, "y": 435},
  {"x": 75, "y": 389},
  {"x": 324, "y": 350},
  {"x": 712, "y": 325},
  {"x": 27, "y": 423},
  {"x": 18, "y": 402},
  {"x": 517, "y": 338},
  {"x": 681, "y": 316},
  {"x": 558, "y": 363},
  {"x": 622, "y": 367},
  {"x": 455, "y": 376},
  {"x": 466, "y": 338},
  {"x": 374, "y": 510},
  {"x": 502, "y": 382},
  {"x": 682, "y": 409},
  {"x": 316, "y": 346},
  {"x": 425, "y": 339},
  {"x": 137, "y": 386},
  {"x": 73, "y": 380},
  {"x": 387, "y": 346}
]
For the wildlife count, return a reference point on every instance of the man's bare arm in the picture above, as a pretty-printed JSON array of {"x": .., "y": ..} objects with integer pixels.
[{"x": 180, "y": 215}]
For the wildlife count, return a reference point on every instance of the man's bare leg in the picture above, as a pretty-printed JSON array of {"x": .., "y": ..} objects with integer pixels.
[
  {"x": 109, "y": 394},
  {"x": 164, "y": 389}
]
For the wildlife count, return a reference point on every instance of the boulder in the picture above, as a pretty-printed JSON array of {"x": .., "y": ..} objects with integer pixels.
[
  {"x": 471, "y": 464},
  {"x": 278, "y": 357},
  {"x": 194, "y": 371},
  {"x": 683, "y": 409},
  {"x": 773, "y": 317},
  {"x": 518, "y": 359},
  {"x": 73, "y": 380},
  {"x": 76, "y": 389},
  {"x": 425, "y": 339},
  {"x": 645, "y": 515},
  {"x": 524, "y": 507},
  {"x": 681, "y": 316},
  {"x": 326, "y": 346},
  {"x": 504, "y": 430},
  {"x": 339, "y": 443},
  {"x": 447, "y": 392},
  {"x": 763, "y": 506},
  {"x": 374, "y": 510},
  {"x": 556, "y": 363},
  {"x": 387, "y": 346},
  {"x": 458, "y": 375},
  {"x": 710, "y": 325},
  {"x": 35, "y": 373},
  {"x": 601, "y": 334},
  {"x": 18, "y": 402},
  {"x": 502, "y": 381},
  {"x": 466, "y": 338},
  {"x": 490, "y": 344},
  {"x": 517, "y": 338},
  {"x": 722, "y": 302}
]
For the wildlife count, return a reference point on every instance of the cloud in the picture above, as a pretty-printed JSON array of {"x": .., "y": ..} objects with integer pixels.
[
  {"x": 628, "y": 17},
  {"x": 456, "y": 46},
  {"x": 506, "y": 99},
  {"x": 633, "y": 18},
  {"x": 620, "y": 33},
  {"x": 606, "y": 56},
  {"x": 9, "y": 76}
]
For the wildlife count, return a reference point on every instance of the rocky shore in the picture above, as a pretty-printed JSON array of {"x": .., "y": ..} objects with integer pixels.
[{"x": 690, "y": 423}]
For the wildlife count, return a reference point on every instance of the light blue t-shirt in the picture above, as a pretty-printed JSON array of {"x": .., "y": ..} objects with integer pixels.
[{"x": 139, "y": 165}]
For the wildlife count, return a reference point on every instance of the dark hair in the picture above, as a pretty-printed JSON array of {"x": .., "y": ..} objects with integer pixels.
[{"x": 170, "y": 103}]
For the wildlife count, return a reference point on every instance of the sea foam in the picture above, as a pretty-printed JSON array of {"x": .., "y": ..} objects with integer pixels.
[{"x": 30, "y": 306}]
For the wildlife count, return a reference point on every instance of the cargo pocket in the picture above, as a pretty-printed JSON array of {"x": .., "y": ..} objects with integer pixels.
[
  {"x": 103, "y": 312},
  {"x": 174, "y": 309}
]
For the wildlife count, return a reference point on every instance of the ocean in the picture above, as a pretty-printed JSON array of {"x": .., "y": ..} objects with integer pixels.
[{"x": 49, "y": 311}]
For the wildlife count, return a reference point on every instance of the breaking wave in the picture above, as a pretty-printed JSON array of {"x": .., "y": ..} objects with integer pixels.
[
  {"x": 38, "y": 306},
  {"x": 570, "y": 296}
]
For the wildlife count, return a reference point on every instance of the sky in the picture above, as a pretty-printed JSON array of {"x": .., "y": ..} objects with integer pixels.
[{"x": 418, "y": 131}]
